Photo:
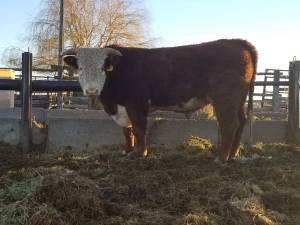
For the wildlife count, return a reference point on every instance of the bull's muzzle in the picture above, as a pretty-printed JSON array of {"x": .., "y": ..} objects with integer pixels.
[{"x": 92, "y": 92}]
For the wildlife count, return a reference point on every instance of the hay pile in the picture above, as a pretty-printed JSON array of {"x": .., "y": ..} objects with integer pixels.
[{"x": 173, "y": 186}]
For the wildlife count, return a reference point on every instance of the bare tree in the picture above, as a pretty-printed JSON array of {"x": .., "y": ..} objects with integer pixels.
[
  {"x": 12, "y": 57},
  {"x": 88, "y": 23}
]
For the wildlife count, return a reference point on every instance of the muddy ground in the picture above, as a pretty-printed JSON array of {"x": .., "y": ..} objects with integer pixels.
[{"x": 181, "y": 186}]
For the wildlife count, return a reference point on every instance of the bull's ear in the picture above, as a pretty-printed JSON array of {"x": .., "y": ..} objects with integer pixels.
[
  {"x": 71, "y": 61},
  {"x": 111, "y": 62},
  {"x": 113, "y": 58},
  {"x": 69, "y": 58}
]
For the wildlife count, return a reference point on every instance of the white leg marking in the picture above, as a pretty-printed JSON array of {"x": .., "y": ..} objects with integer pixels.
[{"x": 121, "y": 118}]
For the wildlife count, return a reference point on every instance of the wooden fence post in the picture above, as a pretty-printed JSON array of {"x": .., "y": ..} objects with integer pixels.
[
  {"x": 276, "y": 95},
  {"x": 293, "y": 106}
]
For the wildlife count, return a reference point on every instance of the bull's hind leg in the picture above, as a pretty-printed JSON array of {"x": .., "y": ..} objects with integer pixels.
[
  {"x": 236, "y": 143},
  {"x": 227, "y": 116}
]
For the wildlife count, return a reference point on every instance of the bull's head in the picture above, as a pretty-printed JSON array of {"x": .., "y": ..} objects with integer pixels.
[{"x": 91, "y": 65}]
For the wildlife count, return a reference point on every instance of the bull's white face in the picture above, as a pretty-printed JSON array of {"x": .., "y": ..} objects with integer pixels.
[
  {"x": 91, "y": 71},
  {"x": 89, "y": 64}
]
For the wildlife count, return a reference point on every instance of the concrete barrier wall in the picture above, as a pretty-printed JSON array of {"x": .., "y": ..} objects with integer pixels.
[
  {"x": 176, "y": 131},
  {"x": 10, "y": 126},
  {"x": 81, "y": 130},
  {"x": 84, "y": 130}
]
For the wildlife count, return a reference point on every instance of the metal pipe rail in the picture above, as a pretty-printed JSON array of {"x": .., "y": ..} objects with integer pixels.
[
  {"x": 67, "y": 85},
  {"x": 33, "y": 69},
  {"x": 41, "y": 85}
]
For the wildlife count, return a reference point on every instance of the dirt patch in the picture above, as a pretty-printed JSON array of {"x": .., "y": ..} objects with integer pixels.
[{"x": 173, "y": 186}]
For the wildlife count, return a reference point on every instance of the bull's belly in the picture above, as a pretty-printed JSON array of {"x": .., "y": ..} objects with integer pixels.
[{"x": 191, "y": 105}]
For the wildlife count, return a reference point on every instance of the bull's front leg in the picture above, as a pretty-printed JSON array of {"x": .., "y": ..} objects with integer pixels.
[
  {"x": 140, "y": 136},
  {"x": 129, "y": 140},
  {"x": 138, "y": 118},
  {"x": 119, "y": 115}
]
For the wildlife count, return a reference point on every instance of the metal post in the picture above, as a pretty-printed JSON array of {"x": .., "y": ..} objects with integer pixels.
[
  {"x": 26, "y": 100},
  {"x": 61, "y": 36},
  {"x": 60, "y": 48}
]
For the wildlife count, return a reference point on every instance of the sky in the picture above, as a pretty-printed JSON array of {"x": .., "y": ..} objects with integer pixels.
[
  {"x": 273, "y": 26},
  {"x": 15, "y": 17}
]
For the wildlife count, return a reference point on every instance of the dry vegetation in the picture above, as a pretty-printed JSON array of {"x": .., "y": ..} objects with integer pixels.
[
  {"x": 173, "y": 186},
  {"x": 87, "y": 23}
]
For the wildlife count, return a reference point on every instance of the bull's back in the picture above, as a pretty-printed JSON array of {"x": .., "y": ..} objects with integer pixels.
[{"x": 173, "y": 75}]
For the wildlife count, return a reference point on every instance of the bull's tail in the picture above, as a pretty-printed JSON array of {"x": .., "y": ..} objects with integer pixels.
[
  {"x": 250, "y": 98},
  {"x": 253, "y": 52},
  {"x": 250, "y": 109}
]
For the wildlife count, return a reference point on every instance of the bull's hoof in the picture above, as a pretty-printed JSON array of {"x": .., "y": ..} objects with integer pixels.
[
  {"x": 134, "y": 154},
  {"x": 211, "y": 154},
  {"x": 126, "y": 152},
  {"x": 220, "y": 162},
  {"x": 243, "y": 159},
  {"x": 146, "y": 152},
  {"x": 234, "y": 159}
]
